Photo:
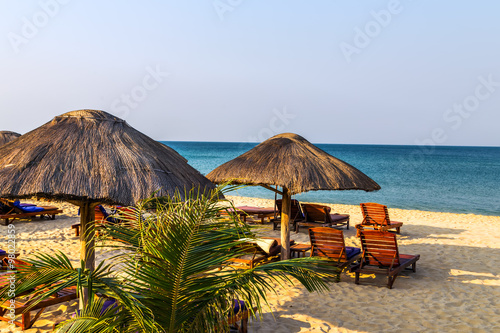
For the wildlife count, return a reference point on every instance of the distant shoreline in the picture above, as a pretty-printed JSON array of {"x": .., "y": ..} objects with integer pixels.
[{"x": 270, "y": 203}]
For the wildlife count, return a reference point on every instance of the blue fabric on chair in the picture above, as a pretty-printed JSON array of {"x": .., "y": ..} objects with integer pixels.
[
  {"x": 32, "y": 209},
  {"x": 352, "y": 251},
  {"x": 239, "y": 306},
  {"x": 2, "y": 252},
  {"x": 103, "y": 211},
  {"x": 28, "y": 209},
  {"x": 109, "y": 302}
]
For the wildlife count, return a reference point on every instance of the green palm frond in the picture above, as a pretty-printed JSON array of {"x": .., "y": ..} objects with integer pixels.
[{"x": 170, "y": 273}]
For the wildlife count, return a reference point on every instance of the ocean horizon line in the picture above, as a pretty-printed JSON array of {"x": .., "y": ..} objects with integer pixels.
[{"x": 342, "y": 144}]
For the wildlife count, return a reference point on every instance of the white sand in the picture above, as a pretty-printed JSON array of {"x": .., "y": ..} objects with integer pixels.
[{"x": 456, "y": 287}]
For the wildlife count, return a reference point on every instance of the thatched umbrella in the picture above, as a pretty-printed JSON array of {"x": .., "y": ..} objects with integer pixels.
[
  {"x": 290, "y": 161},
  {"x": 88, "y": 157},
  {"x": 7, "y": 136}
]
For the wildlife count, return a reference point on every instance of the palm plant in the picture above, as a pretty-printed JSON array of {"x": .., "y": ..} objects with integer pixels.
[{"x": 169, "y": 273}]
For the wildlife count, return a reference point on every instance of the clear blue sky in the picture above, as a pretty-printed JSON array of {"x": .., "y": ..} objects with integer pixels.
[{"x": 375, "y": 72}]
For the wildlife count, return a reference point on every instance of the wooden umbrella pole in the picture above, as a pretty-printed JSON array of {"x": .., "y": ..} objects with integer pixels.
[
  {"x": 286, "y": 208},
  {"x": 87, "y": 235}
]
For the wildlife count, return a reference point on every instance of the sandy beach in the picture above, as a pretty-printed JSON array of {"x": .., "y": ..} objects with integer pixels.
[{"x": 455, "y": 289}]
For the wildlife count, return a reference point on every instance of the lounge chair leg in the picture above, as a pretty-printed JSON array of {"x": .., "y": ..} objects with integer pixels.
[
  {"x": 414, "y": 267},
  {"x": 244, "y": 325},
  {"x": 398, "y": 230},
  {"x": 390, "y": 281},
  {"x": 347, "y": 224},
  {"x": 25, "y": 321},
  {"x": 356, "y": 278},
  {"x": 5, "y": 222}
]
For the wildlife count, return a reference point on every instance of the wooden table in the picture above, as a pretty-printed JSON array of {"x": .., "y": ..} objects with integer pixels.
[
  {"x": 261, "y": 212},
  {"x": 299, "y": 250}
]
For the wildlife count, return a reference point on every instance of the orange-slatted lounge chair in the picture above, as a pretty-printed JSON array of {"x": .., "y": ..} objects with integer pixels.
[
  {"x": 100, "y": 215},
  {"x": 296, "y": 214},
  {"x": 376, "y": 216},
  {"x": 381, "y": 256},
  {"x": 319, "y": 216},
  {"x": 16, "y": 210},
  {"x": 258, "y": 251},
  {"x": 329, "y": 243},
  {"x": 240, "y": 315},
  {"x": 22, "y": 305}
]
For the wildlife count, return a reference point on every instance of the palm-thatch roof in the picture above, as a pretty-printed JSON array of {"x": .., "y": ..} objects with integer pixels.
[
  {"x": 7, "y": 136},
  {"x": 290, "y": 161},
  {"x": 90, "y": 155}
]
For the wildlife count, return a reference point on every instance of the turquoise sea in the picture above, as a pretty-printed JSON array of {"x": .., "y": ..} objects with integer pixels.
[{"x": 445, "y": 179}]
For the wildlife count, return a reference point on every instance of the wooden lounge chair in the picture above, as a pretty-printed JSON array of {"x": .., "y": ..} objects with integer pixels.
[
  {"x": 20, "y": 211},
  {"x": 319, "y": 216},
  {"x": 257, "y": 254},
  {"x": 100, "y": 215},
  {"x": 381, "y": 256},
  {"x": 239, "y": 319},
  {"x": 329, "y": 243},
  {"x": 296, "y": 214},
  {"x": 376, "y": 216},
  {"x": 23, "y": 305},
  {"x": 244, "y": 211}
]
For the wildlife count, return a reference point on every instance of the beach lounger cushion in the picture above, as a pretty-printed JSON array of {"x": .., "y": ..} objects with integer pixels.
[
  {"x": 352, "y": 251},
  {"x": 255, "y": 254},
  {"x": 28, "y": 209}
]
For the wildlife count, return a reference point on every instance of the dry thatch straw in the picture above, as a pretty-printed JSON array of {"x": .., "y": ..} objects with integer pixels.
[
  {"x": 90, "y": 155},
  {"x": 290, "y": 161},
  {"x": 7, "y": 136}
]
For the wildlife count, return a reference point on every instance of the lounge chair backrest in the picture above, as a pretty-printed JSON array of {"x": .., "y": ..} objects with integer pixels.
[
  {"x": 10, "y": 204},
  {"x": 374, "y": 213},
  {"x": 316, "y": 213},
  {"x": 100, "y": 213},
  {"x": 296, "y": 213},
  {"x": 380, "y": 248},
  {"x": 128, "y": 213},
  {"x": 327, "y": 242}
]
